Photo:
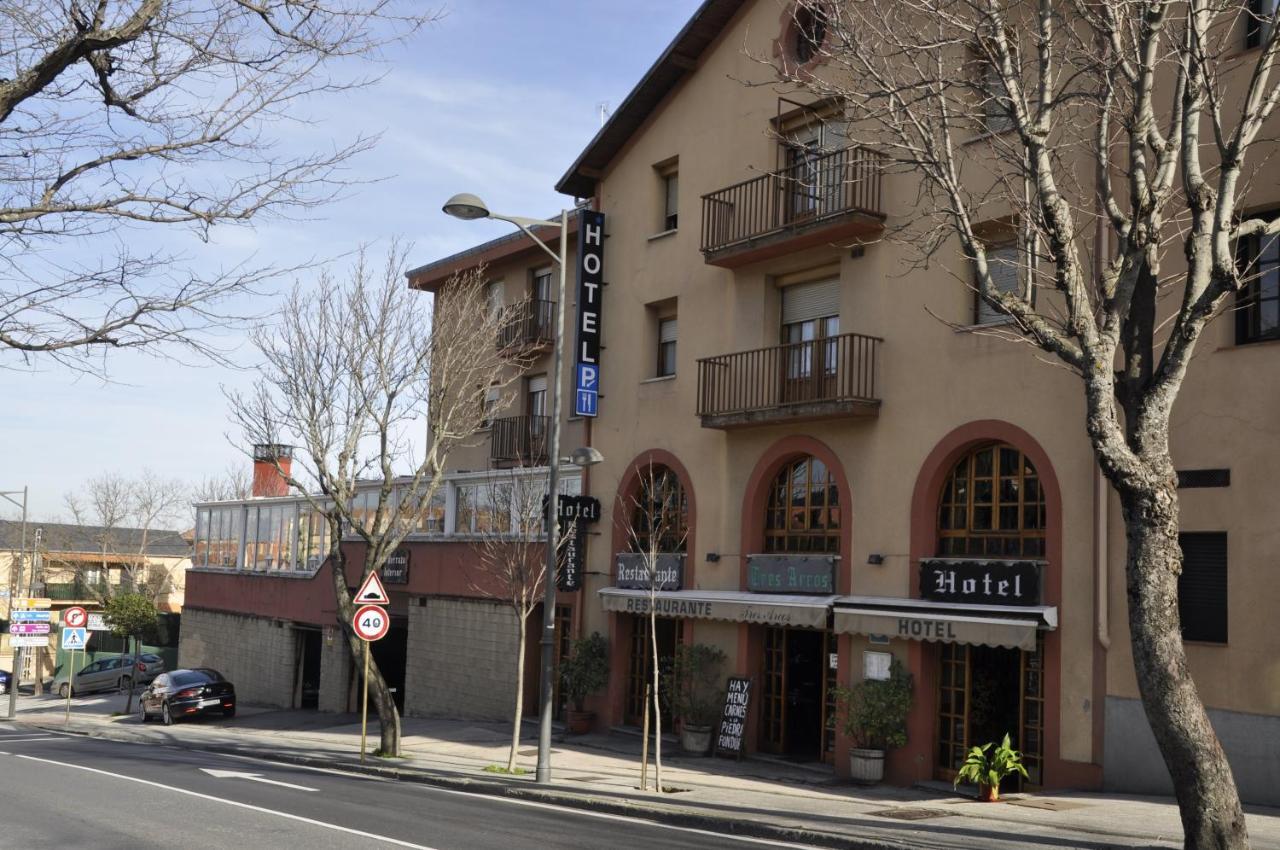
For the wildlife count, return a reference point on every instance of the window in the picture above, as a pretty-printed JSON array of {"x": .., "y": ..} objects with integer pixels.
[
  {"x": 492, "y": 397},
  {"x": 803, "y": 514},
  {"x": 992, "y": 506},
  {"x": 536, "y": 396},
  {"x": 666, "y": 347},
  {"x": 1004, "y": 265},
  {"x": 495, "y": 296},
  {"x": 1258, "y": 22},
  {"x": 810, "y": 320},
  {"x": 660, "y": 504},
  {"x": 1202, "y": 587},
  {"x": 540, "y": 287},
  {"x": 809, "y": 31},
  {"x": 669, "y": 174},
  {"x": 1258, "y": 303}
]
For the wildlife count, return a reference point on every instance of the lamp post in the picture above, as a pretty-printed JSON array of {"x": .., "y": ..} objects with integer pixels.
[
  {"x": 468, "y": 207},
  {"x": 16, "y": 587}
]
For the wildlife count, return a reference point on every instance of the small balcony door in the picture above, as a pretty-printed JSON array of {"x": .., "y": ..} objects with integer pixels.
[
  {"x": 535, "y": 406},
  {"x": 810, "y": 323}
]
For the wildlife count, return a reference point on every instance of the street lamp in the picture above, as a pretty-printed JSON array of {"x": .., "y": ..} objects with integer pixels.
[{"x": 469, "y": 207}]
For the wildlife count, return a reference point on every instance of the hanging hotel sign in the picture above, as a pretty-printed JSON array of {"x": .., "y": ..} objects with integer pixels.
[
  {"x": 633, "y": 571},
  {"x": 396, "y": 568},
  {"x": 586, "y": 357},
  {"x": 984, "y": 582},
  {"x": 573, "y": 514},
  {"x": 791, "y": 573}
]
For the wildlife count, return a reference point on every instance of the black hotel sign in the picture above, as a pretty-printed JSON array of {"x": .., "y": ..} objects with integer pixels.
[{"x": 982, "y": 582}]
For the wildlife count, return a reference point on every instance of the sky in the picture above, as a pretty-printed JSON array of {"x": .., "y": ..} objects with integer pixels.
[{"x": 497, "y": 98}]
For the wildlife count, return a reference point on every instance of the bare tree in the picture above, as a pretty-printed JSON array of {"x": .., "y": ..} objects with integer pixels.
[
  {"x": 511, "y": 563},
  {"x": 656, "y": 527},
  {"x": 119, "y": 114},
  {"x": 350, "y": 371},
  {"x": 233, "y": 484},
  {"x": 1120, "y": 139}
]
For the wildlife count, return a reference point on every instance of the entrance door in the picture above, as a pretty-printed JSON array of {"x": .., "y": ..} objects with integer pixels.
[
  {"x": 640, "y": 673},
  {"x": 391, "y": 654},
  {"x": 797, "y": 681},
  {"x": 306, "y": 690},
  {"x": 985, "y": 693}
]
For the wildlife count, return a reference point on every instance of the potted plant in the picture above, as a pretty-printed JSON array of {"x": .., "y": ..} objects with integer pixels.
[
  {"x": 986, "y": 767},
  {"x": 875, "y": 718},
  {"x": 693, "y": 684},
  {"x": 582, "y": 673}
]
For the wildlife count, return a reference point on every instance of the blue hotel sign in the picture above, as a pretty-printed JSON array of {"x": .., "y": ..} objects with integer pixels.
[{"x": 586, "y": 358}]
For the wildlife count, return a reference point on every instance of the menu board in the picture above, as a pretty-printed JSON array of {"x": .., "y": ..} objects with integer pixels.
[{"x": 733, "y": 721}]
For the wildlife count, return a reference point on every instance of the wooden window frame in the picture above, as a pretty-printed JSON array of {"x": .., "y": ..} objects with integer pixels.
[
  {"x": 785, "y": 536},
  {"x": 958, "y": 508}
]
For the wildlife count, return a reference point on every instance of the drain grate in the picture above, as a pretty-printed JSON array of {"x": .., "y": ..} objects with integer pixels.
[{"x": 911, "y": 814}]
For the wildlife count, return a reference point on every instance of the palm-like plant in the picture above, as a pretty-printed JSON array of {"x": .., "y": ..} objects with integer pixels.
[{"x": 986, "y": 767}]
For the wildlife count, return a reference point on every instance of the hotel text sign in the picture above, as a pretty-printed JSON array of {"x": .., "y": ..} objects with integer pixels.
[
  {"x": 981, "y": 582},
  {"x": 586, "y": 357}
]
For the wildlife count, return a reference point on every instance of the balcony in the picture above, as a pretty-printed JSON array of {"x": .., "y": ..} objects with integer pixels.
[
  {"x": 527, "y": 326},
  {"x": 519, "y": 441},
  {"x": 822, "y": 199},
  {"x": 825, "y": 378}
]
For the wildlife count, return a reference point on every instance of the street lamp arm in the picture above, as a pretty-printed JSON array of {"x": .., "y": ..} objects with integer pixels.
[{"x": 525, "y": 223}]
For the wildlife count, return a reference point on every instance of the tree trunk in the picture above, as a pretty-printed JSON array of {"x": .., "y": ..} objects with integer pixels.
[
  {"x": 1208, "y": 802},
  {"x": 519, "y": 712},
  {"x": 657, "y": 710},
  {"x": 133, "y": 671},
  {"x": 388, "y": 715}
]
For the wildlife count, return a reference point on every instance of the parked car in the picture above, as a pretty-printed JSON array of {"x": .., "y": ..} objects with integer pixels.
[
  {"x": 4, "y": 681},
  {"x": 111, "y": 673},
  {"x": 187, "y": 693}
]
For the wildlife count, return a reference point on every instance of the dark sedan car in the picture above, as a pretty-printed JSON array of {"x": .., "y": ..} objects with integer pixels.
[
  {"x": 187, "y": 693},
  {"x": 4, "y": 681}
]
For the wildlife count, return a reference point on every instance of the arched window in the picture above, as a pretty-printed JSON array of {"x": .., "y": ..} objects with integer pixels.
[
  {"x": 992, "y": 506},
  {"x": 804, "y": 509},
  {"x": 660, "y": 505}
]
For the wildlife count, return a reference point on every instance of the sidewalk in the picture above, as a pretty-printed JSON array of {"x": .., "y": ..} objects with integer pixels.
[{"x": 763, "y": 798}]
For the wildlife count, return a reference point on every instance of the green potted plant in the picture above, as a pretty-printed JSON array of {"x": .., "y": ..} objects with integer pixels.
[
  {"x": 875, "y": 718},
  {"x": 693, "y": 684},
  {"x": 582, "y": 673},
  {"x": 986, "y": 767}
]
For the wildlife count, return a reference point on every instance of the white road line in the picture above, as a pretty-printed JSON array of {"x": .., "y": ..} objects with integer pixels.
[
  {"x": 22, "y": 740},
  {"x": 335, "y": 827}
]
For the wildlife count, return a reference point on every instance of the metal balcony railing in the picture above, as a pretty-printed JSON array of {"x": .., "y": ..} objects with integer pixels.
[
  {"x": 527, "y": 324},
  {"x": 814, "y": 189},
  {"x": 519, "y": 440},
  {"x": 834, "y": 369}
]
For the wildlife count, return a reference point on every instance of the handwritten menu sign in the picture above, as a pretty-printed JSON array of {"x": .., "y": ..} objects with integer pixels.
[{"x": 733, "y": 722}]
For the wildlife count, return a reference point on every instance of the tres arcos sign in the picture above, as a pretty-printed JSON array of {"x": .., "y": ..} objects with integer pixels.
[{"x": 586, "y": 357}]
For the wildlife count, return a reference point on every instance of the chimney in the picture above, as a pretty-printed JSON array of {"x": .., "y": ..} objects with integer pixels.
[{"x": 267, "y": 480}]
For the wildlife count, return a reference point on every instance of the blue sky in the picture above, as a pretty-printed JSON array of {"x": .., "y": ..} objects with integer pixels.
[{"x": 497, "y": 98}]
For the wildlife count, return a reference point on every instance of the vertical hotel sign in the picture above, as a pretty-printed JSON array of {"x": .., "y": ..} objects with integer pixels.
[{"x": 586, "y": 356}]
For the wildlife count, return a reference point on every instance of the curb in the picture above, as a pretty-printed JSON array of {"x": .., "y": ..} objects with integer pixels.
[{"x": 496, "y": 788}]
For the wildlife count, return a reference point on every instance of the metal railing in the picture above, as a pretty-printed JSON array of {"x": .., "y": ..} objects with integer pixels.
[
  {"x": 519, "y": 439},
  {"x": 837, "y": 368},
  {"x": 817, "y": 187},
  {"x": 527, "y": 323}
]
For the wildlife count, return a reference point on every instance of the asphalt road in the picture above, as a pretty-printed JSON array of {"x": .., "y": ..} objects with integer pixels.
[{"x": 65, "y": 791}]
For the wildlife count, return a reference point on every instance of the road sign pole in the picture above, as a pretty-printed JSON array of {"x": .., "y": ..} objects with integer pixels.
[
  {"x": 71, "y": 686},
  {"x": 364, "y": 708},
  {"x": 14, "y": 589}
]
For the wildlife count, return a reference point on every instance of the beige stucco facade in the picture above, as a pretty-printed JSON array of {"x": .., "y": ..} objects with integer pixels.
[{"x": 944, "y": 389}]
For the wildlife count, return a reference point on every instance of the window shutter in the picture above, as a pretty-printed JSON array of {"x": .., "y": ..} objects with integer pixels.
[
  {"x": 1202, "y": 587},
  {"x": 806, "y": 301},
  {"x": 667, "y": 330},
  {"x": 1004, "y": 265},
  {"x": 538, "y": 384}
]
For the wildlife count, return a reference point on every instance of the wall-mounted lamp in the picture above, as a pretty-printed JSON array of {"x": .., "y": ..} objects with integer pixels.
[
  {"x": 713, "y": 557},
  {"x": 875, "y": 559}
]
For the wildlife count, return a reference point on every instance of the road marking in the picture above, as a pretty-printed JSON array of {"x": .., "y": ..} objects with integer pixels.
[
  {"x": 286, "y": 815},
  {"x": 252, "y": 777},
  {"x": 23, "y": 740},
  {"x": 290, "y": 766}
]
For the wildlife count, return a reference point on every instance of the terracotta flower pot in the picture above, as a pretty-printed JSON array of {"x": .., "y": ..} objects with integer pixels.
[
  {"x": 989, "y": 793},
  {"x": 579, "y": 722}
]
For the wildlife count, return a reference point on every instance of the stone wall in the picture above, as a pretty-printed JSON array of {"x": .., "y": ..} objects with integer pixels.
[
  {"x": 254, "y": 653},
  {"x": 461, "y": 659},
  {"x": 335, "y": 671}
]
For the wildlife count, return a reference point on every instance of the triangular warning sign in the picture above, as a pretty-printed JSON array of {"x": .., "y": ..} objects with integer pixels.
[{"x": 372, "y": 592}]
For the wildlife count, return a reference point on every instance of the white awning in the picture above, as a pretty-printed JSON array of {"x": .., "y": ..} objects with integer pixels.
[
  {"x": 770, "y": 609},
  {"x": 920, "y": 619}
]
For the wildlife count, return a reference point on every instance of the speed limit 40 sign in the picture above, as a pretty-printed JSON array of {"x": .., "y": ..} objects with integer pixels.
[{"x": 371, "y": 623}]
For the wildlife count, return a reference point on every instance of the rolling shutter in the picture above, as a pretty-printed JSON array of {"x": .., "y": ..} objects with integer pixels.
[
  {"x": 806, "y": 301},
  {"x": 1003, "y": 264},
  {"x": 667, "y": 330},
  {"x": 1202, "y": 587}
]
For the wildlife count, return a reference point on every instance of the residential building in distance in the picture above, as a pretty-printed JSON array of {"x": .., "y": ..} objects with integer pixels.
[{"x": 857, "y": 470}]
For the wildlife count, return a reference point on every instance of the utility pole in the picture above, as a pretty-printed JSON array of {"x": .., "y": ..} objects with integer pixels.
[{"x": 15, "y": 584}]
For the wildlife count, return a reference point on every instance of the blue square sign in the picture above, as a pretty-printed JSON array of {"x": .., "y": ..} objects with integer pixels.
[{"x": 586, "y": 389}]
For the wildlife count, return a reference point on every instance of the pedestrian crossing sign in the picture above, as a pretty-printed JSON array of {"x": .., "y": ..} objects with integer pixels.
[{"x": 74, "y": 638}]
